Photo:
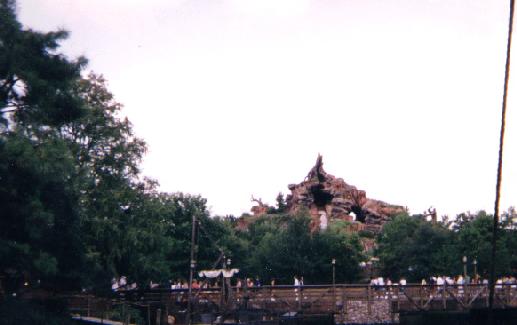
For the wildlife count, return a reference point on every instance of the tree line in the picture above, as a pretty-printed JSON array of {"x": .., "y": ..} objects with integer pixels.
[
  {"x": 411, "y": 247},
  {"x": 76, "y": 211}
]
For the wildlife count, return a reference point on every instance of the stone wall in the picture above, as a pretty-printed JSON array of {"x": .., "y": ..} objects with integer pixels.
[{"x": 358, "y": 311}]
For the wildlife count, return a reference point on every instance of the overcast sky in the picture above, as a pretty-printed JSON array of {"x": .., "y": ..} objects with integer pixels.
[{"x": 237, "y": 97}]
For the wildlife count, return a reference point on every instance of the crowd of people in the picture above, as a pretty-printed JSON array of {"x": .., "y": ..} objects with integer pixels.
[
  {"x": 121, "y": 283},
  {"x": 376, "y": 282},
  {"x": 435, "y": 286},
  {"x": 444, "y": 280}
]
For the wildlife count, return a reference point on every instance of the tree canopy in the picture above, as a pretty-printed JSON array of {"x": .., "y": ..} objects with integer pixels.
[
  {"x": 414, "y": 248},
  {"x": 76, "y": 210}
]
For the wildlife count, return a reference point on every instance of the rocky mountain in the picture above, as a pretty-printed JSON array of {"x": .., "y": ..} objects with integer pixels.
[{"x": 328, "y": 197}]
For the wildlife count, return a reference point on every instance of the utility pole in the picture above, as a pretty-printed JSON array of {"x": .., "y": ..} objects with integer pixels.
[
  {"x": 334, "y": 284},
  {"x": 500, "y": 167},
  {"x": 464, "y": 259},
  {"x": 192, "y": 268},
  {"x": 223, "y": 285},
  {"x": 475, "y": 263}
]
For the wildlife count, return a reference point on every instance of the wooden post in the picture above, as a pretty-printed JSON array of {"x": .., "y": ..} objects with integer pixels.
[
  {"x": 299, "y": 296},
  {"x": 487, "y": 297},
  {"x": 390, "y": 302},
  {"x": 444, "y": 293},
  {"x": 192, "y": 267},
  {"x": 334, "y": 299},
  {"x": 369, "y": 305},
  {"x": 345, "y": 304},
  {"x": 420, "y": 294},
  {"x": 398, "y": 297},
  {"x": 465, "y": 299},
  {"x": 165, "y": 316},
  {"x": 222, "y": 301},
  {"x": 506, "y": 299},
  {"x": 264, "y": 298},
  {"x": 124, "y": 312},
  {"x": 230, "y": 299},
  {"x": 128, "y": 317}
]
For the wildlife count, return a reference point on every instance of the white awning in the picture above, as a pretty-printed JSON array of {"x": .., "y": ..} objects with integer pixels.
[{"x": 215, "y": 273}]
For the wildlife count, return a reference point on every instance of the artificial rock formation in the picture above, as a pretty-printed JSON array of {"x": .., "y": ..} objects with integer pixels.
[
  {"x": 327, "y": 197},
  {"x": 260, "y": 209}
]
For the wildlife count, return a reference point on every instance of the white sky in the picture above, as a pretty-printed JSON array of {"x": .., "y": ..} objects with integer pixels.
[{"x": 237, "y": 97}]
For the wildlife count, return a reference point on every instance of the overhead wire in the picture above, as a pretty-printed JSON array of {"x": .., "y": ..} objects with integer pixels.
[{"x": 214, "y": 242}]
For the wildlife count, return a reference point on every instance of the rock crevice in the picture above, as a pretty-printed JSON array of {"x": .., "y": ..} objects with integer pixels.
[{"x": 327, "y": 197}]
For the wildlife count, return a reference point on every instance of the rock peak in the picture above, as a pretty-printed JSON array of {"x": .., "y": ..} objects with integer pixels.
[
  {"x": 317, "y": 171},
  {"x": 327, "y": 198}
]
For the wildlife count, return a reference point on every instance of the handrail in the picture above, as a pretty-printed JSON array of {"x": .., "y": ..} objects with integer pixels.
[{"x": 318, "y": 286}]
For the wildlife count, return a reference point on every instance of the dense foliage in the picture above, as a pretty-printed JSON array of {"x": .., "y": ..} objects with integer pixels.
[
  {"x": 414, "y": 248},
  {"x": 76, "y": 211},
  {"x": 282, "y": 246}
]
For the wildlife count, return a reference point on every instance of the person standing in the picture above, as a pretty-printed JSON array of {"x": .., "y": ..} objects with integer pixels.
[
  {"x": 296, "y": 286},
  {"x": 272, "y": 293}
]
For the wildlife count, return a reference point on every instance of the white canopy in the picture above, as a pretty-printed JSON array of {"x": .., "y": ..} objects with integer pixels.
[{"x": 215, "y": 273}]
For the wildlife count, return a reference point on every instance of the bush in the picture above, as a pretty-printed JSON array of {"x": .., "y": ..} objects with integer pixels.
[{"x": 21, "y": 312}]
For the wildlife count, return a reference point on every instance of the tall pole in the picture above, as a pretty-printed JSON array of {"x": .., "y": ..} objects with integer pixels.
[
  {"x": 334, "y": 282},
  {"x": 223, "y": 287},
  {"x": 500, "y": 165},
  {"x": 475, "y": 269},
  {"x": 465, "y": 268},
  {"x": 333, "y": 272},
  {"x": 192, "y": 268}
]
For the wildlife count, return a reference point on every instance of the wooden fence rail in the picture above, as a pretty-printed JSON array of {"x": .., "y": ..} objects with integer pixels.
[{"x": 357, "y": 303}]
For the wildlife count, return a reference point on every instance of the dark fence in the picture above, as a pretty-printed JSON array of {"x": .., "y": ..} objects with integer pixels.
[
  {"x": 467, "y": 317},
  {"x": 349, "y": 304}
]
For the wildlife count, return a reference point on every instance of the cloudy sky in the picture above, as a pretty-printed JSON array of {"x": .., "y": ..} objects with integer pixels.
[{"x": 237, "y": 97}]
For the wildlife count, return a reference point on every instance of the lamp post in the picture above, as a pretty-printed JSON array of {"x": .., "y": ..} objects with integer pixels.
[
  {"x": 333, "y": 272},
  {"x": 225, "y": 282},
  {"x": 464, "y": 259},
  {"x": 193, "y": 251},
  {"x": 334, "y": 282},
  {"x": 475, "y": 263},
  {"x": 369, "y": 265},
  {"x": 362, "y": 265}
]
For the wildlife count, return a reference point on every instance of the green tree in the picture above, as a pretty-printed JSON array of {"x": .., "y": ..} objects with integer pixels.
[
  {"x": 75, "y": 208},
  {"x": 414, "y": 248},
  {"x": 35, "y": 80},
  {"x": 281, "y": 204},
  {"x": 111, "y": 193},
  {"x": 344, "y": 247},
  {"x": 282, "y": 247},
  {"x": 39, "y": 223},
  {"x": 39, "y": 219},
  {"x": 474, "y": 241}
]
